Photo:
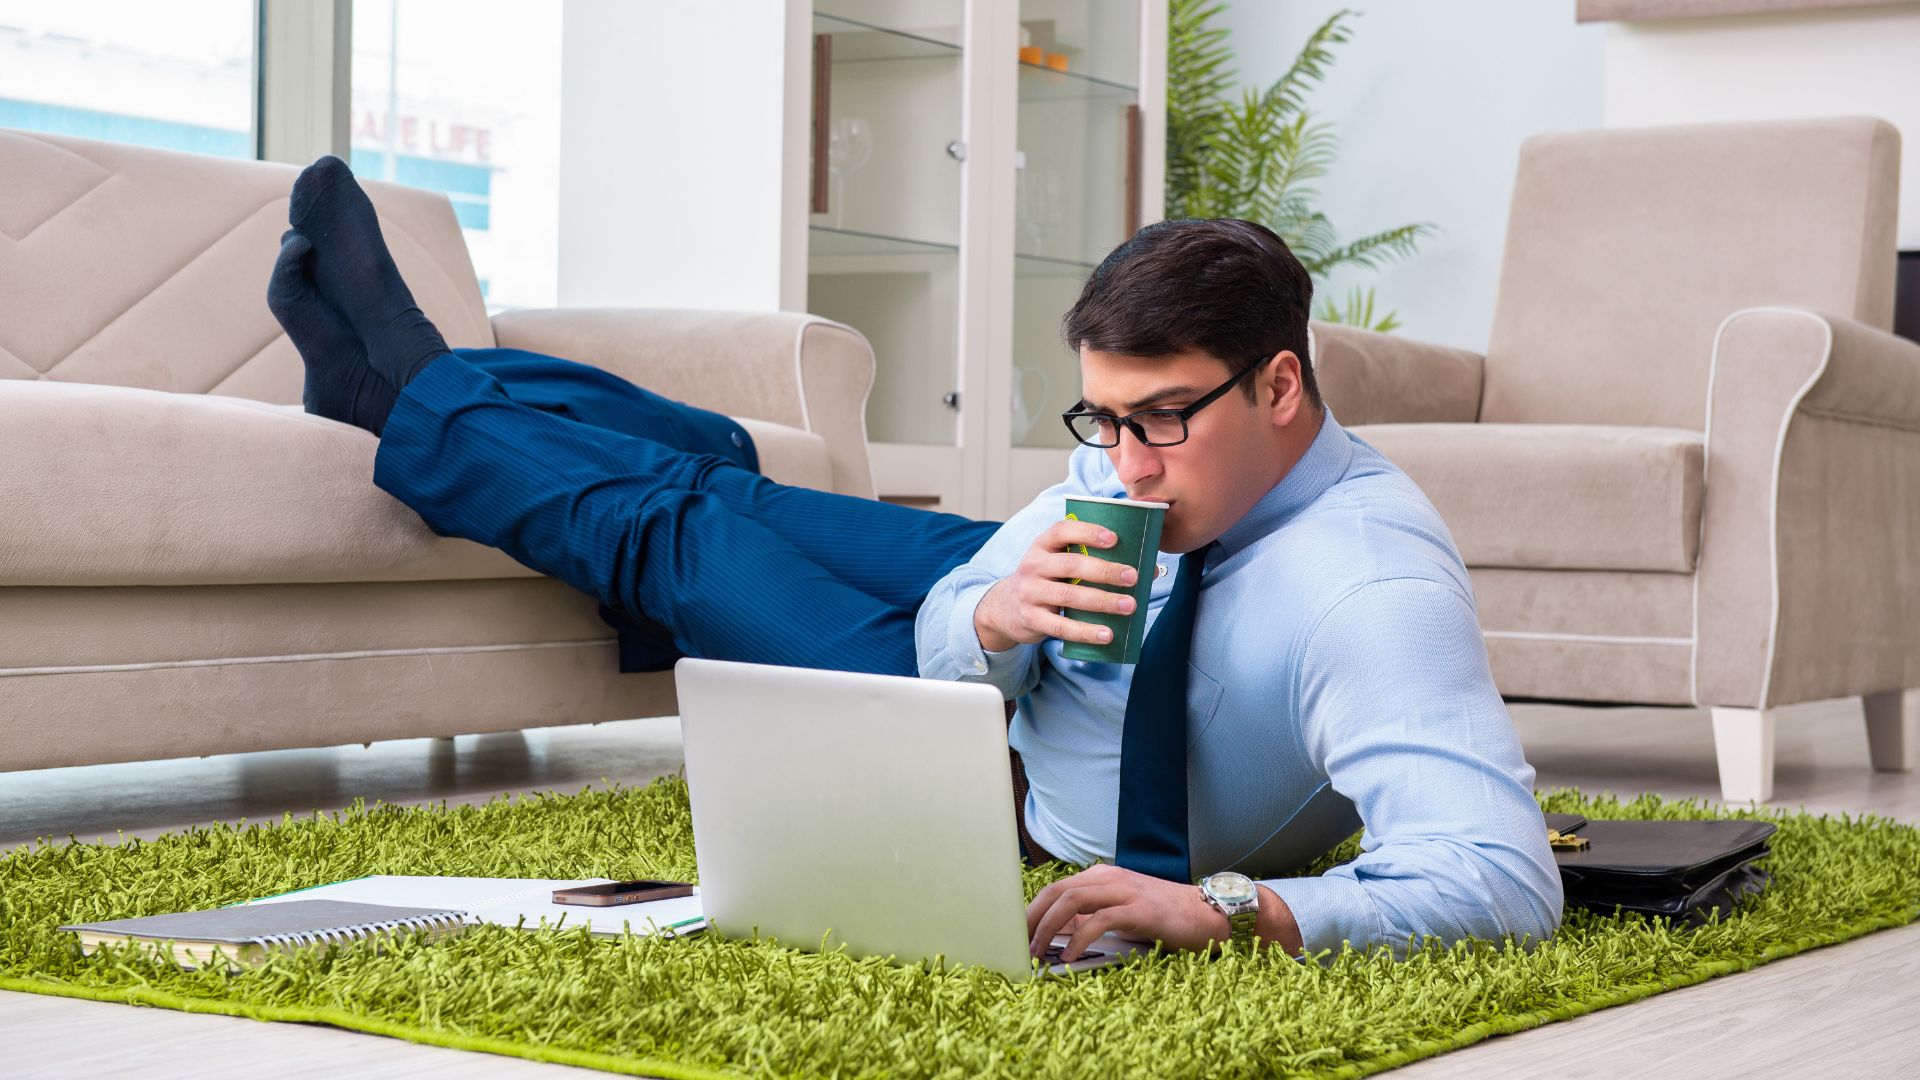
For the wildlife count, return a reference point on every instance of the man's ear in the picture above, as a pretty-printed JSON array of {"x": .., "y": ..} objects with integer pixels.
[{"x": 1289, "y": 394}]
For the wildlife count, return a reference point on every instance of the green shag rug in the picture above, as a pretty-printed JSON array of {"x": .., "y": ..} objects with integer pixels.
[{"x": 703, "y": 1006}]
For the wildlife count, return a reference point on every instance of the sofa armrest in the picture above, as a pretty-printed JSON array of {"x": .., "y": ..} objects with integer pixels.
[
  {"x": 1369, "y": 378},
  {"x": 797, "y": 370},
  {"x": 1810, "y": 546}
]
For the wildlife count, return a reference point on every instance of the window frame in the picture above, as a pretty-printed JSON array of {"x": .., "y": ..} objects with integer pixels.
[{"x": 303, "y": 79}]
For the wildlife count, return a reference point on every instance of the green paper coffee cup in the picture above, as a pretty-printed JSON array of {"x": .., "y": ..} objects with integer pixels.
[{"x": 1137, "y": 525}]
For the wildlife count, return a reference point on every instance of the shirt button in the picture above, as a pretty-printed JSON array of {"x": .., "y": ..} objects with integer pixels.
[{"x": 738, "y": 441}]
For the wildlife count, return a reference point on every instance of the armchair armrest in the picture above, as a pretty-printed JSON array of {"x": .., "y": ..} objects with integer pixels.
[
  {"x": 1810, "y": 544},
  {"x": 797, "y": 370},
  {"x": 1369, "y": 378}
]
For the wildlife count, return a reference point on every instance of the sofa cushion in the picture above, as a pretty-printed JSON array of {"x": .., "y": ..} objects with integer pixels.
[
  {"x": 1558, "y": 496},
  {"x": 109, "y": 485},
  {"x": 144, "y": 267}
]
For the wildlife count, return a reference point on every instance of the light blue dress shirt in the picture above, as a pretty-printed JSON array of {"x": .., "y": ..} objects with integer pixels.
[{"x": 1338, "y": 679}]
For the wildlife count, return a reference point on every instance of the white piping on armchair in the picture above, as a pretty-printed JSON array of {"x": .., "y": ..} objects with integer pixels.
[{"x": 1773, "y": 493}]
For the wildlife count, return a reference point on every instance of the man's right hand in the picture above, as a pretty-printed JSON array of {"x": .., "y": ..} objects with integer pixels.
[{"x": 1024, "y": 607}]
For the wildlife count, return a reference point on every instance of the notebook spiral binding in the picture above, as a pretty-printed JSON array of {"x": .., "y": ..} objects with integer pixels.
[{"x": 340, "y": 935}]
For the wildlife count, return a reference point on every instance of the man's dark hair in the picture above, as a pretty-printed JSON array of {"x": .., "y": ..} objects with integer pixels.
[{"x": 1227, "y": 287}]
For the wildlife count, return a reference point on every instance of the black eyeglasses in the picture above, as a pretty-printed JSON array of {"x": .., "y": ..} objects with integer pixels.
[{"x": 1153, "y": 427}]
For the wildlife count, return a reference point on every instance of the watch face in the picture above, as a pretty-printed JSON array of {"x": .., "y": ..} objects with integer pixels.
[{"x": 1230, "y": 888}]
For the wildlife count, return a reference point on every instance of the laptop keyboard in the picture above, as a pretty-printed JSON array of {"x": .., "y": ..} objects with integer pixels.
[{"x": 1053, "y": 952}]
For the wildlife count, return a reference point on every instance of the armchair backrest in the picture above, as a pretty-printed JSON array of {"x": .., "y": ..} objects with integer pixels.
[
  {"x": 139, "y": 267},
  {"x": 1627, "y": 247}
]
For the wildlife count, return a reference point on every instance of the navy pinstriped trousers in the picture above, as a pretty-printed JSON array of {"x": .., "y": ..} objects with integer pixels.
[{"x": 657, "y": 510}]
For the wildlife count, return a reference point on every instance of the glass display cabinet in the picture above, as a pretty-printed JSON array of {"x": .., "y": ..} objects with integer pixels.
[
  {"x": 884, "y": 213},
  {"x": 1079, "y": 192},
  {"x": 969, "y": 164}
]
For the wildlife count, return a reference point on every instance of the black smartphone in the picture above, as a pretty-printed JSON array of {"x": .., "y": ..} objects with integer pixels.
[{"x": 610, "y": 893}]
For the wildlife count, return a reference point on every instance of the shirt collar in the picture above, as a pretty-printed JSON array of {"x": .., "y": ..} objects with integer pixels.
[{"x": 1321, "y": 467}]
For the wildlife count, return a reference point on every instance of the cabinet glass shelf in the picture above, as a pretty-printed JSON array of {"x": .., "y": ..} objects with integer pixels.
[
  {"x": 855, "y": 41},
  {"x": 822, "y": 240},
  {"x": 1045, "y": 84},
  {"x": 1048, "y": 266}
]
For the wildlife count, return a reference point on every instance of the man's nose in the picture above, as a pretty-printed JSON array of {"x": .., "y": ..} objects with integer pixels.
[{"x": 1134, "y": 461}]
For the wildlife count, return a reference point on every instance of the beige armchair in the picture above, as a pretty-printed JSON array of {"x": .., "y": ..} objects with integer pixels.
[
  {"x": 1687, "y": 469},
  {"x": 190, "y": 564}
]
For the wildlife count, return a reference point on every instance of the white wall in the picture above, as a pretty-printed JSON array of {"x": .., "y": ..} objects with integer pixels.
[
  {"x": 1431, "y": 102},
  {"x": 1815, "y": 63},
  {"x": 683, "y": 154}
]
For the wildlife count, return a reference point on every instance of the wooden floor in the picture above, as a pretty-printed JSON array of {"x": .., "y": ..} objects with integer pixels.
[{"x": 1852, "y": 1010}]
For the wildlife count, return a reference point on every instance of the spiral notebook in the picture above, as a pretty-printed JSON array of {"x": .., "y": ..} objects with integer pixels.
[
  {"x": 245, "y": 935},
  {"x": 526, "y": 903},
  {"x": 369, "y": 908}
]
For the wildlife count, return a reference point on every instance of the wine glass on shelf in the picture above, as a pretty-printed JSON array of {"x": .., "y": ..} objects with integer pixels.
[
  {"x": 849, "y": 148},
  {"x": 1027, "y": 233}
]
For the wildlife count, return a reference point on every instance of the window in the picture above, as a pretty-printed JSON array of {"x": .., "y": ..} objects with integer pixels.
[
  {"x": 463, "y": 97},
  {"x": 175, "y": 76}
]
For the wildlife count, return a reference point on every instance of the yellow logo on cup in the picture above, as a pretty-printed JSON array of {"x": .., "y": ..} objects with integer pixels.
[{"x": 1082, "y": 547}]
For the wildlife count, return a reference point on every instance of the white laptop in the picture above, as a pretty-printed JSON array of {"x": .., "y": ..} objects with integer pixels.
[{"x": 872, "y": 812}]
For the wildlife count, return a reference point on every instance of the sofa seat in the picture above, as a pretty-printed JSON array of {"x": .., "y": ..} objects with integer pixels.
[
  {"x": 1558, "y": 496},
  {"x": 167, "y": 489}
]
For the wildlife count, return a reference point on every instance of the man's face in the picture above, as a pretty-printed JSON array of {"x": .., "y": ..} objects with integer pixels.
[{"x": 1228, "y": 461}]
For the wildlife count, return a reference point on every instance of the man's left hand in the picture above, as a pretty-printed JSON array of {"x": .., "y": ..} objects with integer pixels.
[{"x": 1106, "y": 899}]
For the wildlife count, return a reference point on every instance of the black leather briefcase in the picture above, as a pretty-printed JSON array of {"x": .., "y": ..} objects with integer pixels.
[{"x": 1682, "y": 870}]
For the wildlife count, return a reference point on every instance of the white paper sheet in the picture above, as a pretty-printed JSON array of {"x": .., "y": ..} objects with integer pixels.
[{"x": 527, "y": 902}]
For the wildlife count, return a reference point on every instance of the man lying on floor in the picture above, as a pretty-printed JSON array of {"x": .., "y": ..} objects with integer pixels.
[{"x": 1320, "y": 626}]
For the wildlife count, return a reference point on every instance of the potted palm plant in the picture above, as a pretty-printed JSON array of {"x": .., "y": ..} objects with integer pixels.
[{"x": 1256, "y": 156}]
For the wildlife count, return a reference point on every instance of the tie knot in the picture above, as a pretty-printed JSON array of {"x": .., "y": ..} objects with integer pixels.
[{"x": 1195, "y": 561}]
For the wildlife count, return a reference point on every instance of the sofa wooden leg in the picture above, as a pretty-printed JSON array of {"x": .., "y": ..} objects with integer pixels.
[
  {"x": 1743, "y": 742},
  {"x": 1890, "y": 742}
]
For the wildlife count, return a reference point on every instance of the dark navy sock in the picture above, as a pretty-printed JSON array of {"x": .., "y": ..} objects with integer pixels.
[
  {"x": 354, "y": 272},
  {"x": 340, "y": 384}
]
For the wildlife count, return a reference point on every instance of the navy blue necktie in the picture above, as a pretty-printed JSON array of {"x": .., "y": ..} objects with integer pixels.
[{"x": 1152, "y": 833}]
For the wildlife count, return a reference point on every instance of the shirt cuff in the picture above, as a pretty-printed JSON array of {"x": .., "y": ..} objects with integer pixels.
[
  {"x": 976, "y": 663},
  {"x": 949, "y": 647},
  {"x": 963, "y": 641},
  {"x": 1329, "y": 910}
]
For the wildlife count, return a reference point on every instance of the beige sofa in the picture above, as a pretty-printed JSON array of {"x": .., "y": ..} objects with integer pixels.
[
  {"x": 1687, "y": 469},
  {"x": 190, "y": 564}
]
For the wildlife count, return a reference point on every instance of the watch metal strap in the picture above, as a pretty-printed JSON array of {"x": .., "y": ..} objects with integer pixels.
[{"x": 1241, "y": 925}]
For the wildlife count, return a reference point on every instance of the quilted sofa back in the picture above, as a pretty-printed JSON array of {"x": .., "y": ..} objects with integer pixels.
[
  {"x": 148, "y": 268},
  {"x": 1627, "y": 247}
]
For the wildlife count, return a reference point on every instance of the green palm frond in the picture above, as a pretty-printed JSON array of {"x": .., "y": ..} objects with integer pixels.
[
  {"x": 1309, "y": 234},
  {"x": 1374, "y": 251},
  {"x": 1289, "y": 91},
  {"x": 1198, "y": 69},
  {"x": 1302, "y": 151},
  {"x": 1258, "y": 157},
  {"x": 1358, "y": 311}
]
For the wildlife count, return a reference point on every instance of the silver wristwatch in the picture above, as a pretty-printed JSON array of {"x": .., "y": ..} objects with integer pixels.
[{"x": 1236, "y": 897}]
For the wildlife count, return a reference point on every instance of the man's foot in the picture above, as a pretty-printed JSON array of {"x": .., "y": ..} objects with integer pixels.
[
  {"x": 354, "y": 272},
  {"x": 341, "y": 385}
]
